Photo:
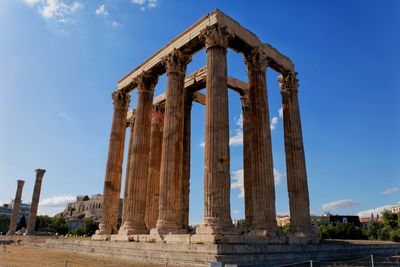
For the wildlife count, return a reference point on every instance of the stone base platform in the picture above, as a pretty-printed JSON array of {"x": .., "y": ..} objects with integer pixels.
[{"x": 178, "y": 254}]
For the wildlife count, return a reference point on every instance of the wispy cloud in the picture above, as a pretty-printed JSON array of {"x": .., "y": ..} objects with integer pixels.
[
  {"x": 56, "y": 11},
  {"x": 57, "y": 201},
  {"x": 67, "y": 117},
  {"x": 374, "y": 211},
  {"x": 390, "y": 191},
  {"x": 237, "y": 139},
  {"x": 202, "y": 144},
  {"x": 274, "y": 123},
  {"x": 115, "y": 24},
  {"x": 280, "y": 112},
  {"x": 145, "y": 4},
  {"x": 101, "y": 10},
  {"x": 235, "y": 213},
  {"x": 238, "y": 180},
  {"x": 339, "y": 204}
]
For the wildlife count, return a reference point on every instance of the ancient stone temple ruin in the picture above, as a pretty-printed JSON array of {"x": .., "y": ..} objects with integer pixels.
[{"x": 156, "y": 196}]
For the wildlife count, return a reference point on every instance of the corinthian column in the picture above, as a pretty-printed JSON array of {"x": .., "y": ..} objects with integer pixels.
[
  {"x": 131, "y": 124},
  {"x": 17, "y": 202},
  {"x": 217, "y": 216},
  {"x": 112, "y": 179},
  {"x": 153, "y": 184},
  {"x": 135, "y": 202},
  {"x": 295, "y": 160},
  {"x": 35, "y": 201},
  {"x": 264, "y": 214},
  {"x": 247, "y": 159},
  {"x": 186, "y": 159},
  {"x": 169, "y": 219}
]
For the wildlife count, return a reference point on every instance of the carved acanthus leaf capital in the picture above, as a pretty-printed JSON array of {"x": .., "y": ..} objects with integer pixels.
[
  {"x": 157, "y": 114},
  {"x": 176, "y": 61},
  {"x": 216, "y": 35},
  {"x": 146, "y": 81},
  {"x": 288, "y": 82},
  {"x": 130, "y": 122},
  {"x": 121, "y": 99},
  {"x": 256, "y": 60}
]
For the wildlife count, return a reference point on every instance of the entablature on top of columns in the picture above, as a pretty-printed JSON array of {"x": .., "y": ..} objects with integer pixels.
[{"x": 190, "y": 42}]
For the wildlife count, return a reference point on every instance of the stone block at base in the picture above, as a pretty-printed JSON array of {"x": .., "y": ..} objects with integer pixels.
[
  {"x": 101, "y": 237},
  {"x": 260, "y": 239},
  {"x": 216, "y": 239},
  {"x": 119, "y": 238},
  {"x": 181, "y": 238}
]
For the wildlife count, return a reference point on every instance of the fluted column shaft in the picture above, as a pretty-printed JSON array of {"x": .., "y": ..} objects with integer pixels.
[
  {"x": 131, "y": 125},
  {"x": 169, "y": 219},
  {"x": 295, "y": 160},
  {"x": 153, "y": 185},
  {"x": 186, "y": 159},
  {"x": 15, "y": 211},
  {"x": 112, "y": 180},
  {"x": 35, "y": 201},
  {"x": 135, "y": 203},
  {"x": 217, "y": 217},
  {"x": 264, "y": 217},
  {"x": 247, "y": 159}
]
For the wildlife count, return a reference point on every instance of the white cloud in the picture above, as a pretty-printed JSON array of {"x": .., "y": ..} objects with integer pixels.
[
  {"x": 145, "y": 4},
  {"x": 274, "y": 123},
  {"x": 339, "y": 204},
  {"x": 55, "y": 10},
  {"x": 115, "y": 24},
  {"x": 101, "y": 10},
  {"x": 238, "y": 177},
  {"x": 237, "y": 139},
  {"x": 57, "y": 201},
  {"x": 375, "y": 211},
  {"x": 202, "y": 144},
  {"x": 67, "y": 117},
  {"x": 280, "y": 112},
  {"x": 278, "y": 176},
  {"x": 390, "y": 191},
  {"x": 235, "y": 213}
]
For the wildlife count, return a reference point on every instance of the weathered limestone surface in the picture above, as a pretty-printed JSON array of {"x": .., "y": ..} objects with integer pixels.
[
  {"x": 217, "y": 217},
  {"x": 170, "y": 218},
  {"x": 35, "y": 201},
  {"x": 295, "y": 161},
  {"x": 247, "y": 159},
  {"x": 135, "y": 202},
  {"x": 112, "y": 180},
  {"x": 153, "y": 185},
  {"x": 186, "y": 160},
  {"x": 264, "y": 214},
  {"x": 16, "y": 204},
  {"x": 131, "y": 124}
]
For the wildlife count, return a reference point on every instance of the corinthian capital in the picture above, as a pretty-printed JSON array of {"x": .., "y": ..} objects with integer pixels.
[
  {"x": 256, "y": 60},
  {"x": 146, "y": 81},
  {"x": 121, "y": 99},
  {"x": 288, "y": 82},
  {"x": 216, "y": 35},
  {"x": 176, "y": 61}
]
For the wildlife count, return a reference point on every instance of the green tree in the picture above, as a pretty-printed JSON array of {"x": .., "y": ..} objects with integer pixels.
[
  {"x": 4, "y": 224},
  {"x": 372, "y": 229},
  {"x": 390, "y": 219},
  {"x": 90, "y": 226},
  {"x": 59, "y": 225}
]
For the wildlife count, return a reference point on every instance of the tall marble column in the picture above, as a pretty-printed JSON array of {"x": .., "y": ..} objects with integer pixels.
[
  {"x": 112, "y": 180},
  {"x": 169, "y": 220},
  {"x": 299, "y": 205},
  {"x": 217, "y": 215},
  {"x": 153, "y": 184},
  {"x": 131, "y": 124},
  {"x": 15, "y": 211},
  {"x": 264, "y": 213},
  {"x": 247, "y": 159},
  {"x": 186, "y": 159},
  {"x": 135, "y": 202},
  {"x": 35, "y": 201}
]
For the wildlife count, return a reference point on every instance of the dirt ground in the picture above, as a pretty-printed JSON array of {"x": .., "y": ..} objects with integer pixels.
[{"x": 20, "y": 255}]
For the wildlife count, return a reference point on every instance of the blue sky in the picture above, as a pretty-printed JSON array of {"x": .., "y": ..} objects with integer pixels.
[{"x": 61, "y": 60}]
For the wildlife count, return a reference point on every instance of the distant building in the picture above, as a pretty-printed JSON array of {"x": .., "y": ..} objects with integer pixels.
[
  {"x": 320, "y": 219},
  {"x": 345, "y": 219},
  {"x": 282, "y": 220},
  {"x": 85, "y": 207},
  {"x": 395, "y": 209},
  {"x": 24, "y": 208}
]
